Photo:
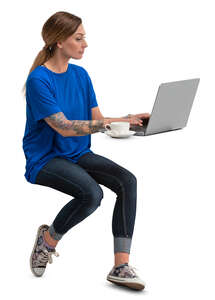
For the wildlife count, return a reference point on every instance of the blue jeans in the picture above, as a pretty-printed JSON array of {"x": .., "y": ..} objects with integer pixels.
[{"x": 82, "y": 180}]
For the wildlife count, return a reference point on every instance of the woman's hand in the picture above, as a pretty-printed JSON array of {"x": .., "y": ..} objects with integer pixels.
[
  {"x": 138, "y": 118},
  {"x": 134, "y": 120},
  {"x": 143, "y": 116}
]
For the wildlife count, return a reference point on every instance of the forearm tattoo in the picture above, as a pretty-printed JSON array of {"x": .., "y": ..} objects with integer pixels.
[{"x": 59, "y": 121}]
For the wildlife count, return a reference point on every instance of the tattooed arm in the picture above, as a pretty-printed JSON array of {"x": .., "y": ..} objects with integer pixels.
[{"x": 67, "y": 127}]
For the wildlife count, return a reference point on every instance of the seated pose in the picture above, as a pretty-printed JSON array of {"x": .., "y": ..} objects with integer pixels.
[{"x": 62, "y": 113}]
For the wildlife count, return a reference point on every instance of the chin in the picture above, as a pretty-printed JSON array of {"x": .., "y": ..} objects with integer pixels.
[{"x": 77, "y": 57}]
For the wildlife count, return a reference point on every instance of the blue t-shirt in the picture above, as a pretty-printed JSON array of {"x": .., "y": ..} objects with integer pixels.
[{"x": 47, "y": 93}]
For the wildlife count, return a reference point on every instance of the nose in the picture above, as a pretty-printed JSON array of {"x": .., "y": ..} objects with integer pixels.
[{"x": 86, "y": 45}]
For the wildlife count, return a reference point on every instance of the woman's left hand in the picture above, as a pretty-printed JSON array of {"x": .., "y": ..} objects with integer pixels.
[
  {"x": 140, "y": 116},
  {"x": 143, "y": 116}
]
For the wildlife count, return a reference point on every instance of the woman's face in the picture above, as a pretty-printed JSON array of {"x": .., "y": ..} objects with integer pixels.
[{"x": 74, "y": 45}]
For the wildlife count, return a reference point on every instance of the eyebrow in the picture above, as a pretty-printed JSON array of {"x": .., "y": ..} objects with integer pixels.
[{"x": 81, "y": 33}]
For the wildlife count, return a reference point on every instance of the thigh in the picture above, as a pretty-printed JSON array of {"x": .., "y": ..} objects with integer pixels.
[
  {"x": 68, "y": 177},
  {"x": 106, "y": 172}
]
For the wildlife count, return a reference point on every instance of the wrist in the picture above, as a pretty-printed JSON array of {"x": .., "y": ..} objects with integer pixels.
[{"x": 127, "y": 116}]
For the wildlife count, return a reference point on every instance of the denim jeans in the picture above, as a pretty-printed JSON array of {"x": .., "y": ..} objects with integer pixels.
[{"x": 82, "y": 180}]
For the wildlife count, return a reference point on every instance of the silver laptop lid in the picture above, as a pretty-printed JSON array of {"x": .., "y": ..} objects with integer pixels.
[{"x": 172, "y": 106}]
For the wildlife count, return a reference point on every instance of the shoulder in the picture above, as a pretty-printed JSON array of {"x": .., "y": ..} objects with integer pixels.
[
  {"x": 40, "y": 76},
  {"x": 39, "y": 71}
]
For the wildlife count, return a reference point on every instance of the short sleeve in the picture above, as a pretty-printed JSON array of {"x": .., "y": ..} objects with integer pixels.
[
  {"x": 40, "y": 99},
  {"x": 92, "y": 95}
]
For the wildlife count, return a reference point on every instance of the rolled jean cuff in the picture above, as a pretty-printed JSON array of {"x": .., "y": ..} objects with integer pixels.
[
  {"x": 54, "y": 234},
  {"x": 122, "y": 244}
]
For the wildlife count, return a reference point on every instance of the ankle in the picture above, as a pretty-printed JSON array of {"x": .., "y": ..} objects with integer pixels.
[
  {"x": 120, "y": 263},
  {"x": 49, "y": 240},
  {"x": 121, "y": 258}
]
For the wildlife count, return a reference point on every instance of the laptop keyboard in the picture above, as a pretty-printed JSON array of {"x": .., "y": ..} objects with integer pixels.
[{"x": 139, "y": 128}]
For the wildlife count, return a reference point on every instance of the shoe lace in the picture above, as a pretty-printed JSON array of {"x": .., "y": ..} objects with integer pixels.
[
  {"x": 46, "y": 256},
  {"x": 132, "y": 270}
]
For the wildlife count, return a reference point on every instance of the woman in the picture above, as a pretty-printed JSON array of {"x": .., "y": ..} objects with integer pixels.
[{"x": 62, "y": 113}]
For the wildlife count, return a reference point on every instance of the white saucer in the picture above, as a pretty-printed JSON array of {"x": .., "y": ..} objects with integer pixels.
[{"x": 127, "y": 134}]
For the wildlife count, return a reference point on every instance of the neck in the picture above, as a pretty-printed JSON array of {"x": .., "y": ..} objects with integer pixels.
[{"x": 57, "y": 64}]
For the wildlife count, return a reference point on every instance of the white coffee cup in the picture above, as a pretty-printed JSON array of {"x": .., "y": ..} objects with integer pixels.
[{"x": 118, "y": 127}]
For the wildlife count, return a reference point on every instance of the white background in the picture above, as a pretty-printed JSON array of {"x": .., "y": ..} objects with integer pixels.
[{"x": 133, "y": 46}]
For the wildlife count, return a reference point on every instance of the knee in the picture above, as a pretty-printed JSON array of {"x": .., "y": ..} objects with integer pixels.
[
  {"x": 133, "y": 179},
  {"x": 94, "y": 196},
  {"x": 129, "y": 179}
]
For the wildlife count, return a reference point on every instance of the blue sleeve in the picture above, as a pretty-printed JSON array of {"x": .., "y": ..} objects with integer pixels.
[
  {"x": 40, "y": 99},
  {"x": 92, "y": 95}
]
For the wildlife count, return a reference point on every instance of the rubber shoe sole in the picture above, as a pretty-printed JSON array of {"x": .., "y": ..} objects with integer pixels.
[
  {"x": 133, "y": 283},
  {"x": 37, "y": 271}
]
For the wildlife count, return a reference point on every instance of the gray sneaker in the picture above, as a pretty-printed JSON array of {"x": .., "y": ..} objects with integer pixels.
[
  {"x": 125, "y": 275},
  {"x": 41, "y": 253}
]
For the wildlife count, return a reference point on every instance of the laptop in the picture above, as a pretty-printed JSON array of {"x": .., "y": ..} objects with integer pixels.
[{"x": 171, "y": 109}]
